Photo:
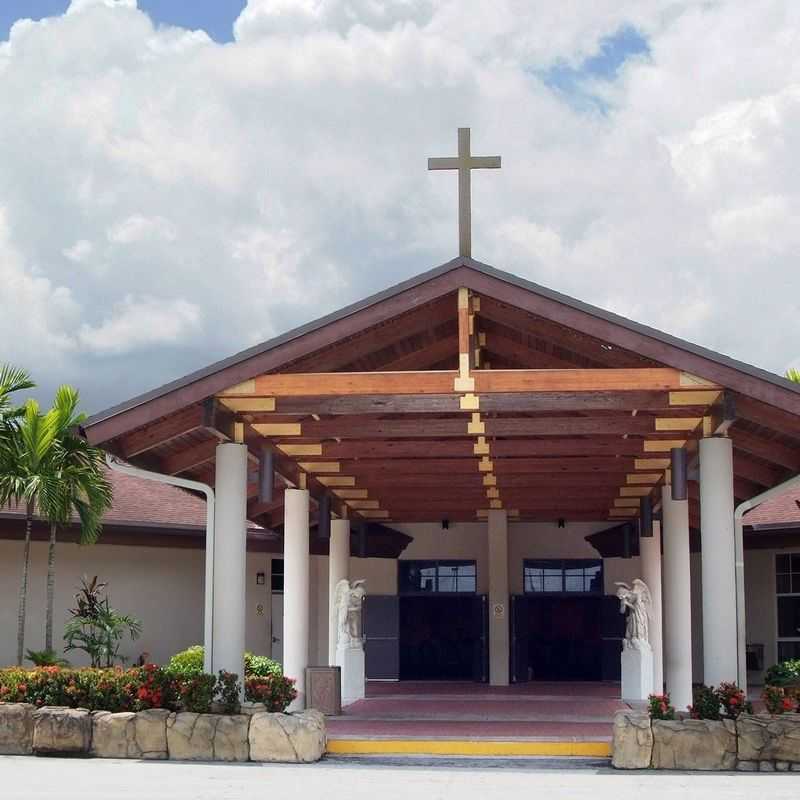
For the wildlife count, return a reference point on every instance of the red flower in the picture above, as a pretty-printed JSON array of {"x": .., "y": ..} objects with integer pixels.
[
  {"x": 142, "y": 693},
  {"x": 787, "y": 703}
]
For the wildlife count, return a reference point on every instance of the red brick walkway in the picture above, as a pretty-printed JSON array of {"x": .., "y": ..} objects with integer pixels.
[{"x": 545, "y": 711}]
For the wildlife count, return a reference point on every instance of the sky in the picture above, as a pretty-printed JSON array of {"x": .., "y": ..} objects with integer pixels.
[{"x": 181, "y": 180}]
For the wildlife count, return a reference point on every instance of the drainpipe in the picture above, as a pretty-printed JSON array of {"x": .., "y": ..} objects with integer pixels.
[
  {"x": 738, "y": 514},
  {"x": 117, "y": 465}
]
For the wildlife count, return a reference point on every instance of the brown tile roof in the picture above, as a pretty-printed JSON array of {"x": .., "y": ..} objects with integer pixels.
[
  {"x": 150, "y": 504},
  {"x": 780, "y": 511}
]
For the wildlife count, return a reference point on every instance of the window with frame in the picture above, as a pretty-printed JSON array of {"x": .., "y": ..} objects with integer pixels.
[
  {"x": 787, "y": 589},
  {"x": 427, "y": 577},
  {"x": 276, "y": 575},
  {"x": 562, "y": 576}
]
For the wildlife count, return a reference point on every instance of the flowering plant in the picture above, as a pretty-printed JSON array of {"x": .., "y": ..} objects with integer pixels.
[
  {"x": 778, "y": 701},
  {"x": 733, "y": 700},
  {"x": 660, "y": 707},
  {"x": 228, "y": 690},
  {"x": 275, "y": 691}
]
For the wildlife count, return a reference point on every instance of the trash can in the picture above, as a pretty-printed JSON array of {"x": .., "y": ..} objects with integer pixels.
[{"x": 324, "y": 690}]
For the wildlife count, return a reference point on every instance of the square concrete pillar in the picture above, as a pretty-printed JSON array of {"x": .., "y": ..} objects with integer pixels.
[{"x": 498, "y": 598}]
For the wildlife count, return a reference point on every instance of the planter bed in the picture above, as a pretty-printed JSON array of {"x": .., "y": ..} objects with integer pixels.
[
  {"x": 753, "y": 742},
  {"x": 253, "y": 735}
]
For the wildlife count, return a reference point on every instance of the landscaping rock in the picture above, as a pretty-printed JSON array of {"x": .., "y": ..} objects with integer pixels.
[
  {"x": 766, "y": 766},
  {"x": 633, "y": 740},
  {"x": 290, "y": 738},
  {"x": 747, "y": 766},
  {"x": 782, "y": 766},
  {"x": 151, "y": 733},
  {"x": 766, "y": 738},
  {"x": 62, "y": 731},
  {"x": 16, "y": 729},
  {"x": 114, "y": 735},
  {"x": 252, "y": 708},
  {"x": 190, "y": 736},
  {"x": 694, "y": 744},
  {"x": 231, "y": 738}
]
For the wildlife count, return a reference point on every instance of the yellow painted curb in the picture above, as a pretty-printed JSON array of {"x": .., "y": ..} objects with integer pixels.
[{"x": 451, "y": 747}]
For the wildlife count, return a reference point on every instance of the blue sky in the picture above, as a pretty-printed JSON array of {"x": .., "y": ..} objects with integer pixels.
[
  {"x": 614, "y": 51},
  {"x": 216, "y": 17}
]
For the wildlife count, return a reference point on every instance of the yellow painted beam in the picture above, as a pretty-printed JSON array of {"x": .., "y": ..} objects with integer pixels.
[
  {"x": 321, "y": 466},
  {"x": 623, "y": 512},
  {"x": 643, "y": 477},
  {"x": 337, "y": 480},
  {"x": 662, "y": 445},
  {"x": 301, "y": 449},
  {"x": 476, "y": 427},
  {"x": 278, "y": 428},
  {"x": 374, "y": 514},
  {"x": 469, "y": 402},
  {"x": 469, "y": 747},
  {"x": 626, "y": 502},
  {"x": 702, "y": 398},
  {"x": 677, "y": 423},
  {"x": 363, "y": 504},
  {"x": 635, "y": 491},
  {"x": 351, "y": 494},
  {"x": 490, "y": 480},
  {"x": 248, "y": 405},
  {"x": 650, "y": 463}
]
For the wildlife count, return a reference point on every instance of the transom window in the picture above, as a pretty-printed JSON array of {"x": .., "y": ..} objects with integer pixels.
[
  {"x": 787, "y": 587},
  {"x": 423, "y": 577},
  {"x": 563, "y": 576}
]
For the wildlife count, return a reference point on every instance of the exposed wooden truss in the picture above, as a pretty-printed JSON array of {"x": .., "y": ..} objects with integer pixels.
[{"x": 467, "y": 403}]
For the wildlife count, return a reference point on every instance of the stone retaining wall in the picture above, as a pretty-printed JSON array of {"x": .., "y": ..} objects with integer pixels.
[
  {"x": 751, "y": 743},
  {"x": 160, "y": 734}
]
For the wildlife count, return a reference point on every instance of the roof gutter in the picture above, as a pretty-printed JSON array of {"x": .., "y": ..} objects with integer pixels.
[
  {"x": 117, "y": 465},
  {"x": 738, "y": 521}
]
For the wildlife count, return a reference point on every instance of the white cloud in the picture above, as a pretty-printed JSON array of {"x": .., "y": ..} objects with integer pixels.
[
  {"x": 135, "y": 323},
  {"x": 137, "y": 228},
  {"x": 79, "y": 252},
  {"x": 198, "y": 196}
]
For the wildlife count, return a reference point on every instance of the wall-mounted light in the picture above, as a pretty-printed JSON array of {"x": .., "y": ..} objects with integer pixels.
[
  {"x": 562, "y": 523},
  {"x": 261, "y": 578},
  {"x": 445, "y": 524}
]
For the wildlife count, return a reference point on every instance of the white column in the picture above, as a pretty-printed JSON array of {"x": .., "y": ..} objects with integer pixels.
[
  {"x": 296, "y": 584},
  {"x": 338, "y": 569},
  {"x": 650, "y": 552},
  {"x": 718, "y": 560},
  {"x": 230, "y": 554},
  {"x": 677, "y": 600},
  {"x": 498, "y": 598}
]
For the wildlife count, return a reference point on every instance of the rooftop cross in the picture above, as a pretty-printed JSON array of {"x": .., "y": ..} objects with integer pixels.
[{"x": 464, "y": 162}]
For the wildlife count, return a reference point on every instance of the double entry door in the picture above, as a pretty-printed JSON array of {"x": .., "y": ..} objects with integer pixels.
[{"x": 426, "y": 637}]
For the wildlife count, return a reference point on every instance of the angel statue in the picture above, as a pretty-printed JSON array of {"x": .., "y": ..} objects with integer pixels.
[
  {"x": 637, "y": 602},
  {"x": 349, "y": 599}
]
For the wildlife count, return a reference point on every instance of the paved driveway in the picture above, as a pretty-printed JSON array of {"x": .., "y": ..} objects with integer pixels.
[{"x": 72, "y": 779}]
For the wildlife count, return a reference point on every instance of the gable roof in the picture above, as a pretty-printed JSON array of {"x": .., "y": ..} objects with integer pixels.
[{"x": 460, "y": 271}]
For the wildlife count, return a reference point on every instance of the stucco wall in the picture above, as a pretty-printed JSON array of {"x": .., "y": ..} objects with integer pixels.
[{"x": 164, "y": 587}]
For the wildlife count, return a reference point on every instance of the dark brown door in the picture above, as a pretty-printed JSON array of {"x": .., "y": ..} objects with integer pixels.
[{"x": 382, "y": 637}]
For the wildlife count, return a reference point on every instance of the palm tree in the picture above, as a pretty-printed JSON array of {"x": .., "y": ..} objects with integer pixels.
[
  {"x": 83, "y": 488},
  {"x": 12, "y": 379},
  {"x": 793, "y": 374},
  {"x": 46, "y": 466}
]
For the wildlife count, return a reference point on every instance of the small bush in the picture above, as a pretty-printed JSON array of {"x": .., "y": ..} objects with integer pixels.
[
  {"x": 733, "y": 700},
  {"x": 782, "y": 673},
  {"x": 228, "y": 691},
  {"x": 187, "y": 662},
  {"x": 705, "y": 703},
  {"x": 660, "y": 707},
  {"x": 261, "y": 666},
  {"x": 196, "y": 692},
  {"x": 275, "y": 691},
  {"x": 778, "y": 701}
]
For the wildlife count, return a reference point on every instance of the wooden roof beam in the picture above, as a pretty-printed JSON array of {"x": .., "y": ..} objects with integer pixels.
[{"x": 486, "y": 381}]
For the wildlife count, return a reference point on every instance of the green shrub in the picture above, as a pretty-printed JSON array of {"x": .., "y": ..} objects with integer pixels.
[
  {"x": 782, "y": 673},
  {"x": 733, "y": 700},
  {"x": 187, "y": 662},
  {"x": 705, "y": 703},
  {"x": 190, "y": 662},
  {"x": 196, "y": 692},
  {"x": 261, "y": 666}
]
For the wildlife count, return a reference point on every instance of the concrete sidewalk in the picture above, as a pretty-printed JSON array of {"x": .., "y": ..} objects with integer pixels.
[{"x": 30, "y": 778}]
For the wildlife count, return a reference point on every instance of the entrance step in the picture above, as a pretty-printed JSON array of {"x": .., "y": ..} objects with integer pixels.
[{"x": 469, "y": 747}]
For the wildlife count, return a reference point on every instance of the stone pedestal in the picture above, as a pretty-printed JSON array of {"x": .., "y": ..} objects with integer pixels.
[
  {"x": 637, "y": 673},
  {"x": 351, "y": 661}
]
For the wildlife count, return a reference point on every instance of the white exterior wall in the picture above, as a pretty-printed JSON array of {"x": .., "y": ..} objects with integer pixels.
[{"x": 164, "y": 586}]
